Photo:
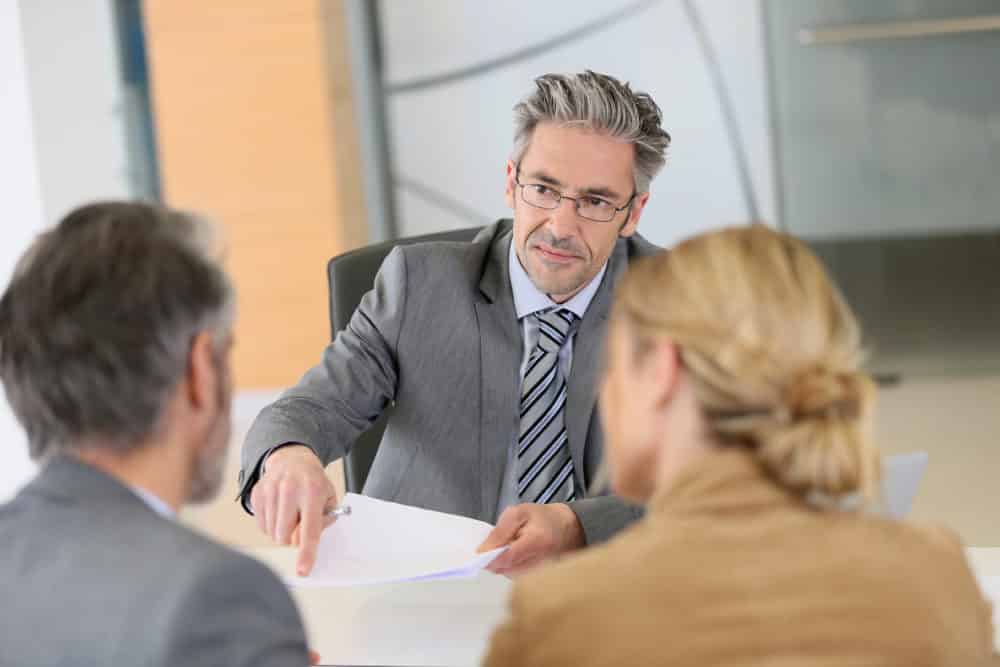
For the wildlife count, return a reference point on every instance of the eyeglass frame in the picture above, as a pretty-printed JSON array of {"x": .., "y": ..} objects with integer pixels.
[{"x": 575, "y": 200}]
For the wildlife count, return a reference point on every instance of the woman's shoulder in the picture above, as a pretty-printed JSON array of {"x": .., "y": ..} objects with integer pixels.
[
  {"x": 924, "y": 563},
  {"x": 923, "y": 539},
  {"x": 555, "y": 608},
  {"x": 595, "y": 574}
]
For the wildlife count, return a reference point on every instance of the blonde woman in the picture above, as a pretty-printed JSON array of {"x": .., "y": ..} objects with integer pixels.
[{"x": 736, "y": 411}]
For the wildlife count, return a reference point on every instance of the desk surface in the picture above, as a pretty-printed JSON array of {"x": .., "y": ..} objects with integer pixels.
[
  {"x": 445, "y": 622},
  {"x": 985, "y": 562},
  {"x": 418, "y": 623}
]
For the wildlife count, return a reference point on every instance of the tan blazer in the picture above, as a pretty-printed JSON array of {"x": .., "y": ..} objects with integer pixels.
[{"x": 728, "y": 569}]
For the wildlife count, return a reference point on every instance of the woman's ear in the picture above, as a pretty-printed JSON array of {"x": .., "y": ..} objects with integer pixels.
[{"x": 664, "y": 363}]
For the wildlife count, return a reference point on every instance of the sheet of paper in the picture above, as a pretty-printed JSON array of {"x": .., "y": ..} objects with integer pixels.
[
  {"x": 901, "y": 475},
  {"x": 382, "y": 542}
]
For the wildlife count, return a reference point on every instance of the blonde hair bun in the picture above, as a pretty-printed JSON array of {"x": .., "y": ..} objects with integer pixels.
[{"x": 816, "y": 441}]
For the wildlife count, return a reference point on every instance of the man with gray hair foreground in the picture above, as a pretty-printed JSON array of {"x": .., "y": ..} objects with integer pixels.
[
  {"x": 488, "y": 350},
  {"x": 115, "y": 334}
]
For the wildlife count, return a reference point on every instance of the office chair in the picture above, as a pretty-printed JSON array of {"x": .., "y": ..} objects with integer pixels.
[{"x": 350, "y": 277}]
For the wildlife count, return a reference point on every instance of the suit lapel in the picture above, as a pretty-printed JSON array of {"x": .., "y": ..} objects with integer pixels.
[
  {"x": 500, "y": 363},
  {"x": 587, "y": 354}
]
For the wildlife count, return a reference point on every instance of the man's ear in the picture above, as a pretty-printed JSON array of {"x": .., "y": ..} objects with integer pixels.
[
  {"x": 511, "y": 185},
  {"x": 202, "y": 374},
  {"x": 634, "y": 213}
]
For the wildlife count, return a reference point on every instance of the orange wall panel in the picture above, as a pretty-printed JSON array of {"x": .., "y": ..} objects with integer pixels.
[{"x": 246, "y": 99}]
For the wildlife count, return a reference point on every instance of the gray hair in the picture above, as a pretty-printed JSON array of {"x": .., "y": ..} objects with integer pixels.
[
  {"x": 600, "y": 103},
  {"x": 97, "y": 323}
]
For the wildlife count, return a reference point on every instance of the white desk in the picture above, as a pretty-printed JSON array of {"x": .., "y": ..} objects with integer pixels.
[
  {"x": 423, "y": 623},
  {"x": 985, "y": 563},
  {"x": 446, "y": 622}
]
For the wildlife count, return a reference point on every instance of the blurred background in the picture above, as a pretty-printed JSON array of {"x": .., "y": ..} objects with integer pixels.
[{"x": 306, "y": 128}]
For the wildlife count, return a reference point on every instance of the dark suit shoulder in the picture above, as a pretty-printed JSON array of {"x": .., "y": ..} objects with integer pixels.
[
  {"x": 228, "y": 608},
  {"x": 218, "y": 570},
  {"x": 213, "y": 604},
  {"x": 167, "y": 594},
  {"x": 192, "y": 557},
  {"x": 451, "y": 265},
  {"x": 638, "y": 247}
]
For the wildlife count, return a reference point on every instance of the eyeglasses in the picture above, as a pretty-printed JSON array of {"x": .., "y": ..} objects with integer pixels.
[{"x": 590, "y": 207}]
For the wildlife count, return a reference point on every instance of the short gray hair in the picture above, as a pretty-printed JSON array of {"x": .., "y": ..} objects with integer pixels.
[
  {"x": 601, "y": 103},
  {"x": 97, "y": 323}
]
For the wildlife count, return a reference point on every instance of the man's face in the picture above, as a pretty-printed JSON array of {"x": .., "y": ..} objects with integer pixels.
[{"x": 560, "y": 250}]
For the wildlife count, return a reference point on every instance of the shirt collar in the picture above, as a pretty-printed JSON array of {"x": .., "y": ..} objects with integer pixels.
[
  {"x": 154, "y": 502},
  {"x": 529, "y": 299}
]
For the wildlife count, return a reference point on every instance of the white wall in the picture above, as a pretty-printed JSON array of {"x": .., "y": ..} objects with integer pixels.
[
  {"x": 77, "y": 102},
  {"x": 456, "y": 137},
  {"x": 22, "y": 203}
]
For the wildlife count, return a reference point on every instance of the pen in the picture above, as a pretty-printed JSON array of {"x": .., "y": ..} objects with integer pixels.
[{"x": 343, "y": 510}]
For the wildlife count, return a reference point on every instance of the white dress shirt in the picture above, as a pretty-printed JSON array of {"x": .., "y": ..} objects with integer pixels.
[
  {"x": 529, "y": 299},
  {"x": 155, "y": 502}
]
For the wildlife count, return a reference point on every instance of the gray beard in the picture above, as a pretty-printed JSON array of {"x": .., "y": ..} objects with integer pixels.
[{"x": 206, "y": 478}]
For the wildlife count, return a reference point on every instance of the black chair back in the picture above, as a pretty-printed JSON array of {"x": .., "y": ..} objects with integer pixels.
[{"x": 350, "y": 277}]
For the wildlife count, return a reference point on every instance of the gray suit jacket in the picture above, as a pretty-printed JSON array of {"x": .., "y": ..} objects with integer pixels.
[
  {"x": 91, "y": 576},
  {"x": 439, "y": 338}
]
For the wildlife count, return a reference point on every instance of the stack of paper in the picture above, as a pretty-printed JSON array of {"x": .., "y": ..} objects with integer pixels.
[{"x": 382, "y": 542}]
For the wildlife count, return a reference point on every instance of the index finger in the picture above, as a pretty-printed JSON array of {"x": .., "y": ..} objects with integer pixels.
[{"x": 311, "y": 524}]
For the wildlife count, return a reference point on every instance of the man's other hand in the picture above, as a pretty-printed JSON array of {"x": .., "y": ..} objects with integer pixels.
[{"x": 534, "y": 533}]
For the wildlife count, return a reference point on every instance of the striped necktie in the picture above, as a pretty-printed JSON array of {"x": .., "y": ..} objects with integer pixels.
[{"x": 544, "y": 466}]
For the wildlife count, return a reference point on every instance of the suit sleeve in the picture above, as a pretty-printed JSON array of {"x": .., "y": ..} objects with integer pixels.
[
  {"x": 338, "y": 399},
  {"x": 602, "y": 517},
  {"x": 237, "y": 615}
]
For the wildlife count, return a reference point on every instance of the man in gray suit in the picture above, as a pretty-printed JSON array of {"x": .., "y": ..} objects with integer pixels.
[
  {"x": 488, "y": 350},
  {"x": 114, "y": 347}
]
